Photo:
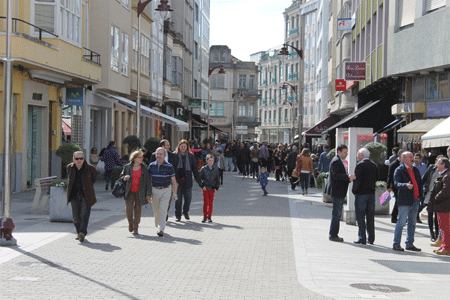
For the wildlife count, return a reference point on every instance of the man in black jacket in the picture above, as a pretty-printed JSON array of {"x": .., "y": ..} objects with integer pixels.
[
  {"x": 391, "y": 186},
  {"x": 366, "y": 173},
  {"x": 337, "y": 187}
]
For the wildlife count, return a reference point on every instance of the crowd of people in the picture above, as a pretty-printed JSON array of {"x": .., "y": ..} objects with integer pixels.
[{"x": 416, "y": 182}]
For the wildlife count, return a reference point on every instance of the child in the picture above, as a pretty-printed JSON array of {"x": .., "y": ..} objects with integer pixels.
[
  {"x": 220, "y": 162},
  {"x": 209, "y": 182},
  {"x": 263, "y": 180}
]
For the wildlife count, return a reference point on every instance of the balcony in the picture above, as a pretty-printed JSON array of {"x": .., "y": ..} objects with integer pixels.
[
  {"x": 293, "y": 32},
  {"x": 250, "y": 121},
  {"x": 264, "y": 82},
  {"x": 273, "y": 101},
  {"x": 273, "y": 80}
]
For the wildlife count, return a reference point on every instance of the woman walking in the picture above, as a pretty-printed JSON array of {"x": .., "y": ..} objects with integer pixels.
[
  {"x": 187, "y": 166},
  {"x": 304, "y": 169},
  {"x": 138, "y": 189}
]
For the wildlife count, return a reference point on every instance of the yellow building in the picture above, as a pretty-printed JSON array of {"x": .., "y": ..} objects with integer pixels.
[{"x": 49, "y": 46}]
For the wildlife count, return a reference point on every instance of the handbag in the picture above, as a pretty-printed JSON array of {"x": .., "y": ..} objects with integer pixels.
[
  {"x": 384, "y": 198},
  {"x": 119, "y": 189},
  {"x": 100, "y": 166}
]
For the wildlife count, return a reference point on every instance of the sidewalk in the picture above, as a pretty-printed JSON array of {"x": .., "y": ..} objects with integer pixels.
[{"x": 273, "y": 247}]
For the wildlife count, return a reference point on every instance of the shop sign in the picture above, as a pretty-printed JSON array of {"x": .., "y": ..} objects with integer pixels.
[
  {"x": 74, "y": 96},
  {"x": 340, "y": 85},
  {"x": 438, "y": 109},
  {"x": 194, "y": 103},
  {"x": 344, "y": 24},
  {"x": 355, "y": 71}
]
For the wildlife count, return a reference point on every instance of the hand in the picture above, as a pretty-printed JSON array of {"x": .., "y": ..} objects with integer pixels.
[
  {"x": 204, "y": 188},
  {"x": 215, "y": 191},
  {"x": 389, "y": 190},
  {"x": 175, "y": 197},
  {"x": 351, "y": 177},
  {"x": 149, "y": 198},
  {"x": 127, "y": 177},
  {"x": 410, "y": 186}
]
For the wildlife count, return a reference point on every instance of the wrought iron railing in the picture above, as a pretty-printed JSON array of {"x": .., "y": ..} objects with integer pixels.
[{"x": 37, "y": 28}]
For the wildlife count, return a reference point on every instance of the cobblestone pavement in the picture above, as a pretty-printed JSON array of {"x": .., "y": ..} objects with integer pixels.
[{"x": 246, "y": 253}]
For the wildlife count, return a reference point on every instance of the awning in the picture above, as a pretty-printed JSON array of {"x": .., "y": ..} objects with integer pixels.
[
  {"x": 414, "y": 131},
  {"x": 439, "y": 136},
  {"x": 353, "y": 115},
  {"x": 391, "y": 125},
  {"x": 147, "y": 111},
  {"x": 66, "y": 126},
  {"x": 202, "y": 124},
  {"x": 316, "y": 130}
]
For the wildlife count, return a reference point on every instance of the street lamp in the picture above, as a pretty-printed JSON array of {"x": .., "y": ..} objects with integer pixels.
[
  {"x": 284, "y": 53},
  {"x": 163, "y": 7},
  {"x": 221, "y": 71},
  {"x": 241, "y": 96}
]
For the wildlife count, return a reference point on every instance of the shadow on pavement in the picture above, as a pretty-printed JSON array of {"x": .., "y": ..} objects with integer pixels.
[
  {"x": 106, "y": 247},
  {"x": 59, "y": 267},
  {"x": 166, "y": 239}
]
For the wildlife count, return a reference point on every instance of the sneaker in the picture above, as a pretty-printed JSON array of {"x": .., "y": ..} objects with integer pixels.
[
  {"x": 204, "y": 220},
  {"x": 81, "y": 237},
  {"x": 209, "y": 220}
]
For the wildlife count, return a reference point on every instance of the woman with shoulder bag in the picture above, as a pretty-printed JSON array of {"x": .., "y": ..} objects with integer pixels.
[{"x": 138, "y": 189}]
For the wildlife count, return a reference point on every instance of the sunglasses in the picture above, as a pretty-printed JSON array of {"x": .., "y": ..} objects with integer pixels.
[{"x": 79, "y": 158}]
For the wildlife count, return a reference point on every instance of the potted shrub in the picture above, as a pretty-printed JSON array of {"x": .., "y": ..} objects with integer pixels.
[
  {"x": 65, "y": 152},
  {"x": 132, "y": 142},
  {"x": 321, "y": 183},
  {"x": 151, "y": 144}
]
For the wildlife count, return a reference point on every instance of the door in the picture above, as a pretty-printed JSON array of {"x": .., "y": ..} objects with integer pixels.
[{"x": 34, "y": 146}]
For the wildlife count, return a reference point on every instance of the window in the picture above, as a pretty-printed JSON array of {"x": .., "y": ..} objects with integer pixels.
[
  {"x": 306, "y": 66},
  {"x": 241, "y": 110},
  {"x": 307, "y": 19},
  {"x": 312, "y": 87},
  {"x": 125, "y": 45},
  {"x": 296, "y": 114},
  {"x": 242, "y": 81},
  {"x": 443, "y": 86},
  {"x": 298, "y": 19},
  {"x": 286, "y": 115},
  {"x": 216, "y": 56},
  {"x": 270, "y": 116},
  {"x": 265, "y": 116},
  {"x": 311, "y": 110},
  {"x": 177, "y": 71},
  {"x": 281, "y": 72},
  {"x": 251, "y": 109},
  {"x": 70, "y": 20},
  {"x": 313, "y": 41},
  {"x": 279, "y": 116},
  {"x": 217, "y": 109},
  {"x": 135, "y": 49},
  {"x": 431, "y": 5},
  {"x": 44, "y": 15},
  {"x": 251, "y": 82},
  {"x": 222, "y": 55},
  {"x": 432, "y": 87},
  {"x": 195, "y": 88},
  {"x": 405, "y": 12},
  {"x": 305, "y": 111},
  {"x": 218, "y": 81},
  {"x": 196, "y": 50},
  {"x": 145, "y": 55},
  {"x": 126, "y": 3},
  {"x": 313, "y": 18},
  {"x": 196, "y": 11},
  {"x": 418, "y": 89},
  {"x": 306, "y": 43},
  {"x": 114, "y": 48},
  {"x": 287, "y": 72},
  {"x": 312, "y": 65}
]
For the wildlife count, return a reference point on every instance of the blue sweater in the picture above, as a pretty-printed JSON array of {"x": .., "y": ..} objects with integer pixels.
[{"x": 263, "y": 178}]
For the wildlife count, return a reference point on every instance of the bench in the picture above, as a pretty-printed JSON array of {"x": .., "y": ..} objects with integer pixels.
[{"x": 40, "y": 184}]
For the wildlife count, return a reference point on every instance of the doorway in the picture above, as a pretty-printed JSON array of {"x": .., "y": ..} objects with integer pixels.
[{"x": 34, "y": 146}]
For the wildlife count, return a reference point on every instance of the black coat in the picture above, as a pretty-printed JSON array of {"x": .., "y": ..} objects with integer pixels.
[
  {"x": 390, "y": 179},
  {"x": 338, "y": 180},
  {"x": 440, "y": 195},
  {"x": 186, "y": 180},
  {"x": 88, "y": 178},
  {"x": 366, "y": 173}
]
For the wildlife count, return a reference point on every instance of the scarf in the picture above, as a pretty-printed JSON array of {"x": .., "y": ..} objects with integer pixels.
[{"x": 180, "y": 162}]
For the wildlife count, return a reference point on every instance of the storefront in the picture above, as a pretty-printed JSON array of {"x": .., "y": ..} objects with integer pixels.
[{"x": 410, "y": 136}]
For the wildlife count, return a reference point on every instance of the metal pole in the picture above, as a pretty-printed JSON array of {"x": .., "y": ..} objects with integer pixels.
[
  {"x": 138, "y": 98},
  {"x": 6, "y": 223},
  {"x": 300, "y": 105},
  {"x": 209, "y": 110}
]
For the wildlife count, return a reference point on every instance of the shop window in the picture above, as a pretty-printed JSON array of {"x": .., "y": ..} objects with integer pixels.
[
  {"x": 443, "y": 87},
  {"x": 418, "y": 89}
]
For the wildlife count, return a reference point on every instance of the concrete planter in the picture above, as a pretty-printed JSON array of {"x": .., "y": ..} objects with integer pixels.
[
  {"x": 379, "y": 209},
  {"x": 326, "y": 198},
  {"x": 59, "y": 211}
]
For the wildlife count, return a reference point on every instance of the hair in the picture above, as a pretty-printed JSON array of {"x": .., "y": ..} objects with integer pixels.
[
  {"x": 365, "y": 152},
  {"x": 395, "y": 150},
  {"x": 263, "y": 168},
  {"x": 177, "y": 150},
  {"x": 111, "y": 144},
  {"x": 161, "y": 148},
  {"x": 305, "y": 152},
  {"x": 294, "y": 148},
  {"x": 418, "y": 154},
  {"x": 78, "y": 152},
  {"x": 220, "y": 151},
  {"x": 448, "y": 149},
  {"x": 162, "y": 143},
  {"x": 404, "y": 153},
  {"x": 326, "y": 147},
  {"x": 135, "y": 154},
  {"x": 209, "y": 156},
  {"x": 92, "y": 150},
  {"x": 439, "y": 156},
  {"x": 340, "y": 148},
  {"x": 445, "y": 162}
]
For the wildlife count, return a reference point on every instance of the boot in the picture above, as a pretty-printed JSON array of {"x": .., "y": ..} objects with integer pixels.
[
  {"x": 433, "y": 237},
  {"x": 106, "y": 188},
  {"x": 437, "y": 243}
]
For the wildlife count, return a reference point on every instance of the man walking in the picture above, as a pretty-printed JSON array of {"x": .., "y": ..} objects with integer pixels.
[
  {"x": 80, "y": 192},
  {"x": 324, "y": 161},
  {"x": 366, "y": 173},
  {"x": 410, "y": 193},
  {"x": 163, "y": 175},
  {"x": 337, "y": 188}
]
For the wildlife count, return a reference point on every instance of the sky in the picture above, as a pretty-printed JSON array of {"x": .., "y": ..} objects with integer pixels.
[{"x": 247, "y": 26}]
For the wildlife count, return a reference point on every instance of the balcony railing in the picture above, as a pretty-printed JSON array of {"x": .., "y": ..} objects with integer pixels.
[
  {"x": 91, "y": 55},
  {"x": 274, "y": 80},
  {"x": 248, "y": 120},
  {"x": 293, "y": 31},
  {"x": 264, "y": 82},
  {"x": 15, "y": 22}
]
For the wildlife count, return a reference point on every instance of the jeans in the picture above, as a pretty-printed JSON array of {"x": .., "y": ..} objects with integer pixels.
[
  {"x": 404, "y": 212},
  {"x": 107, "y": 177},
  {"x": 228, "y": 163},
  {"x": 187, "y": 194},
  {"x": 254, "y": 168},
  {"x": 365, "y": 212},
  {"x": 336, "y": 216},
  {"x": 233, "y": 160},
  {"x": 80, "y": 213},
  {"x": 304, "y": 181},
  {"x": 263, "y": 187}
]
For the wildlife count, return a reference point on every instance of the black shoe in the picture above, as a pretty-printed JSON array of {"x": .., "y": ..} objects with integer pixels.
[
  {"x": 167, "y": 217},
  {"x": 398, "y": 248},
  {"x": 360, "y": 242},
  {"x": 106, "y": 188},
  {"x": 204, "y": 220},
  {"x": 419, "y": 221},
  {"x": 394, "y": 220},
  {"x": 413, "y": 248},
  {"x": 209, "y": 220},
  {"x": 371, "y": 243}
]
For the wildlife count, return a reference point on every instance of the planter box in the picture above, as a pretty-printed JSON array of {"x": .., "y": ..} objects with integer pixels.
[
  {"x": 326, "y": 198},
  {"x": 379, "y": 209},
  {"x": 59, "y": 211}
]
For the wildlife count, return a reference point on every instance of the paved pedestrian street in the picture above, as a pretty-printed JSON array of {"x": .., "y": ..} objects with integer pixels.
[{"x": 273, "y": 247}]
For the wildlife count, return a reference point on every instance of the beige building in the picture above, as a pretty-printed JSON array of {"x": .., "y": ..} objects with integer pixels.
[{"x": 234, "y": 95}]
